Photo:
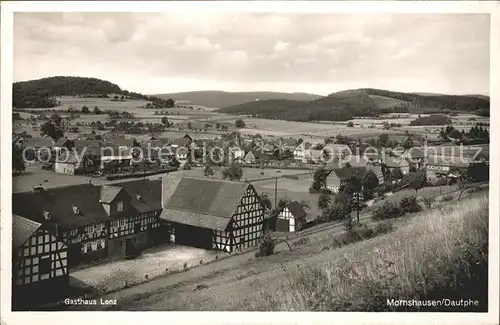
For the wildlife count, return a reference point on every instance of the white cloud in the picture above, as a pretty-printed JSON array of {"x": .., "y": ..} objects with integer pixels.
[{"x": 281, "y": 46}]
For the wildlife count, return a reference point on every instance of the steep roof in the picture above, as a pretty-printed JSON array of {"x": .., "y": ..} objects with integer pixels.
[
  {"x": 182, "y": 142},
  {"x": 186, "y": 200},
  {"x": 347, "y": 172},
  {"x": 145, "y": 194},
  {"x": 59, "y": 203},
  {"x": 22, "y": 229},
  {"x": 108, "y": 193},
  {"x": 296, "y": 209}
]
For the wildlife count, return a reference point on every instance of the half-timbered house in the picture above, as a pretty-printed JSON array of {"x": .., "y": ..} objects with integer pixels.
[
  {"x": 291, "y": 218},
  {"x": 39, "y": 261},
  {"x": 212, "y": 214},
  {"x": 134, "y": 209},
  {"x": 76, "y": 215}
]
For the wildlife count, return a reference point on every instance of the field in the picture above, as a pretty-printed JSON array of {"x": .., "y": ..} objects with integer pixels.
[{"x": 422, "y": 249}]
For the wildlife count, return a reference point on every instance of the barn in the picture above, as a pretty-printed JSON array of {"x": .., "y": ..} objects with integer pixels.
[
  {"x": 291, "y": 218},
  {"x": 212, "y": 214},
  {"x": 39, "y": 261}
]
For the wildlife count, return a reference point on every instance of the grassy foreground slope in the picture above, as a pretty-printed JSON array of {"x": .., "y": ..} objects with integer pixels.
[{"x": 440, "y": 254}]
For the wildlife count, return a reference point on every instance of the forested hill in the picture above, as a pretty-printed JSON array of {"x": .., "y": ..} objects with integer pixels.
[
  {"x": 42, "y": 93},
  {"x": 218, "y": 99},
  {"x": 345, "y": 105}
]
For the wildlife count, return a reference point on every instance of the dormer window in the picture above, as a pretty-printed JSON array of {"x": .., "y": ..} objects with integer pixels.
[
  {"x": 76, "y": 210},
  {"x": 119, "y": 206},
  {"x": 46, "y": 215},
  {"x": 138, "y": 197}
]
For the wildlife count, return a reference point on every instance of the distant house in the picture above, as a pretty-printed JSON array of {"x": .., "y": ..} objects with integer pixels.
[
  {"x": 70, "y": 164},
  {"x": 314, "y": 155},
  {"x": 300, "y": 152},
  {"x": 39, "y": 261},
  {"x": 335, "y": 151},
  {"x": 63, "y": 143},
  {"x": 250, "y": 158},
  {"x": 415, "y": 155},
  {"x": 288, "y": 144},
  {"x": 116, "y": 156},
  {"x": 445, "y": 166},
  {"x": 37, "y": 147},
  {"x": 291, "y": 218},
  {"x": 236, "y": 153},
  {"x": 340, "y": 177},
  {"x": 123, "y": 142},
  {"x": 182, "y": 142},
  {"x": 403, "y": 164},
  {"x": 212, "y": 214}
]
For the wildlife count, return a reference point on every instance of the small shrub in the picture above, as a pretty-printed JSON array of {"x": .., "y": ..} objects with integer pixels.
[
  {"x": 409, "y": 204},
  {"x": 447, "y": 197},
  {"x": 267, "y": 245},
  {"x": 185, "y": 266},
  {"x": 388, "y": 210},
  {"x": 440, "y": 182},
  {"x": 383, "y": 228},
  {"x": 428, "y": 201},
  {"x": 302, "y": 241}
]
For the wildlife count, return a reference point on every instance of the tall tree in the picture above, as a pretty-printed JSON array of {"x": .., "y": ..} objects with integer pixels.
[
  {"x": 370, "y": 181},
  {"x": 17, "y": 160},
  {"x": 324, "y": 201},
  {"x": 417, "y": 181},
  {"x": 233, "y": 173}
]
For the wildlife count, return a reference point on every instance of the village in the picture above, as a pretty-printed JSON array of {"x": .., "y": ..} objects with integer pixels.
[{"x": 98, "y": 200}]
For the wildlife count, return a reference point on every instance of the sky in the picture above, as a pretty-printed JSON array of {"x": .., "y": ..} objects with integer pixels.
[{"x": 156, "y": 53}]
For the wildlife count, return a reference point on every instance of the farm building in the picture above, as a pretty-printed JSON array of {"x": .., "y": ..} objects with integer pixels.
[
  {"x": 76, "y": 214},
  {"x": 300, "y": 152},
  {"x": 339, "y": 177},
  {"x": 291, "y": 218},
  {"x": 212, "y": 214},
  {"x": 250, "y": 157},
  {"x": 134, "y": 209},
  {"x": 39, "y": 261},
  {"x": 440, "y": 166},
  {"x": 98, "y": 221}
]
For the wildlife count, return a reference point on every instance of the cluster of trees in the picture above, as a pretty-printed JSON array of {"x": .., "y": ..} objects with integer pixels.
[
  {"x": 239, "y": 123},
  {"x": 477, "y": 134},
  {"x": 233, "y": 172},
  {"x": 123, "y": 115},
  {"x": 53, "y": 128},
  {"x": 431, "y": 120},
  {"x": 42, "y": 93},
  {"x": 437, "y": 101},
  {"x": 86, "y": 110}
]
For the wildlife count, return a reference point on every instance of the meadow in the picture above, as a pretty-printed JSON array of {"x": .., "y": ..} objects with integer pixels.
[{"x": 440, "y": 253}]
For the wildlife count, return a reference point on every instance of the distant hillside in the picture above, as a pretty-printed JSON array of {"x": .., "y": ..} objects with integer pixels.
[
  {"x": 219, "y": 99},
  {"x": 42, "y": 93},
  {"x": 345, "y": 105}
]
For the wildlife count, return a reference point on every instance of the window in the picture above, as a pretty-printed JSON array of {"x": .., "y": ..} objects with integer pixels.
[
  {"x": 44, "y": 265},
  {"x": 119, "y": 206},
  {"x": 99, "y": 244},
  {"x": 90, "y": 228},
  {"x": 122, "y": 222},
  {"x": 88, "y": 247},
  {"x": 98, "y": 227}
]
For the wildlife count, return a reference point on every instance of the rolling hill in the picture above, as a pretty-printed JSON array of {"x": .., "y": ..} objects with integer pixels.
[
  {"x": 219, "y": 99},
  {"x": 345, "y": 105},
  {"x": 42, "y": 93}
]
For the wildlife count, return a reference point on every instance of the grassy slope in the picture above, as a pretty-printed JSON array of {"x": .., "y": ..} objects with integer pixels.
[
  {"x": 433, "y": 257},
  {"x": 421, "y": 252},
  {"x": 224, "y": 99}
]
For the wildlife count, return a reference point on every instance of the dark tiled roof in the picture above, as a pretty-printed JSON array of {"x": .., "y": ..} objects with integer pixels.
[
  {"x": 451, "y": 161},
  {"x": 87, "y": 143},
  {"x": 61, "y": 142},
  {"x": 182, "y": 142},
  {"x": 347, "y": 172},
  {"x": 145, "y": 194},
  {"x": 108, "y": 193},
  {"x": 201, "y": 198},
  {"x": 296, "y": 209},
  {"x": 123, "y": 142},
  {"x": 22, "y": 229},
  {"x": 59, "y": 203}
]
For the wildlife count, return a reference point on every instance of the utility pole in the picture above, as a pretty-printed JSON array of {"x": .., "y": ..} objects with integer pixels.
[{"x": 275, "y": 192}]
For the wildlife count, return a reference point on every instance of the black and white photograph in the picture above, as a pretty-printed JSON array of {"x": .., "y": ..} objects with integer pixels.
[{"x": 250, "y": 159}]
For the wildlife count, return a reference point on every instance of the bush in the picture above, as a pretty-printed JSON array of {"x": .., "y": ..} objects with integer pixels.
[
  {"x": 186, "y": 166},
  {"x": 266, "y": 246},
  {"x": 428, "y": 201},
  {"x": 336, "y": 212},
  {"x": 440, "y": 182},
  {"x": 388, "y": 210},
  {"x": 383, "y": 228},
  {"x": 447, "y": 197},
  {"x": 409, "y": 204}
]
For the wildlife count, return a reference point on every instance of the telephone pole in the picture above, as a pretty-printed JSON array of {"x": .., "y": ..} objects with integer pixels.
[{"x": 275, "y": 192}]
